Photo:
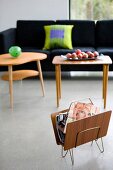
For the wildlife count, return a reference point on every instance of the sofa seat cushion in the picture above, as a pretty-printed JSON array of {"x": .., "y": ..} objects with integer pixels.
[
  {"x": 34, "y": 49},
  {"x": 106, "y": 51},
  {"x": 56, "y": 52}
]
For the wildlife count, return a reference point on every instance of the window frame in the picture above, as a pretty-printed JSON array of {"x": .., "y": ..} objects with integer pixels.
[{"x": 69, "y": 9}]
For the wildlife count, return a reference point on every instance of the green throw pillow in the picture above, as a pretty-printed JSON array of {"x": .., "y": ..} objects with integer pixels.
[{"x": 58, "y": 36}]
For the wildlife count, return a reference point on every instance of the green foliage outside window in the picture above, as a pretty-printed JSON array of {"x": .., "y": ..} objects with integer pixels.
[{"x": 91, "y": 9}]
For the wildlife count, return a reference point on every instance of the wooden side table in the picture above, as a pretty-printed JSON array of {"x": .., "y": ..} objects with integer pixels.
[
  {"x": 101, "y": 60},
  {"x": 25, "y": 57}
]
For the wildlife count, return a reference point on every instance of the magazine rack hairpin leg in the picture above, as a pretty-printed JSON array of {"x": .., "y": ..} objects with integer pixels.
[
  {"x": 101, "y": 149},
  {"x": 71, "y": 151},
  {"x": 82, "y": 131}
]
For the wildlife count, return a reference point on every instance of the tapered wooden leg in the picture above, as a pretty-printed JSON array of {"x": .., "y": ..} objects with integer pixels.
[
  {"x": 41, "y": 77},
  {"x": 106, "y": 69},
  {"x": 57, "y": 84},
  {"x": 103, "y": 89},
  {"x": 59, "y": 81},
  {"x": 10, "y": 85}
]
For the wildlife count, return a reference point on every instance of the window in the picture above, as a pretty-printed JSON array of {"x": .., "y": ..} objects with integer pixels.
[{"x": 91, "y": 9}]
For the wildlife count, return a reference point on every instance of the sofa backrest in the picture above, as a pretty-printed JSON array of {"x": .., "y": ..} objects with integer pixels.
[
  {"x": 31, "y": 33},
  {"x": 104, "y": 33},
  {"x": 83, "y": 33}
]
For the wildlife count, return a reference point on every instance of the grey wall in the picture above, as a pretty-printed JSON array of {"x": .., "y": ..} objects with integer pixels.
[{"x": 13, "y": 10}]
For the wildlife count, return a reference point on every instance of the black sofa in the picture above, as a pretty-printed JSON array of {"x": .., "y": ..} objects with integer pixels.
[{"x": 86, "y": 35}]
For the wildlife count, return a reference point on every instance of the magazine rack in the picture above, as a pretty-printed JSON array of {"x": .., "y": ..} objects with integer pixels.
[{"x": 82, "y": 131}]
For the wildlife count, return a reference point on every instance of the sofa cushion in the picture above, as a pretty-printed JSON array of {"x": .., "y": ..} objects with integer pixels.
[
  {"x": 83, "y": 32},
  {"x": 106, "y": 51},
  {"x": 31, "y": 33},
  {"x": 35, "y": 49},
  {"x": 104, "y": 33},
  {"x": 58, "y": 36}
]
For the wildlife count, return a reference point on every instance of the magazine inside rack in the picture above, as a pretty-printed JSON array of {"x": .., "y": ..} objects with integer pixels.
[{"x": 78, "y": 110}]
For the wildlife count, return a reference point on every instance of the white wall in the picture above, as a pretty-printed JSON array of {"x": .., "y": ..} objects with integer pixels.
[{"x": 13, "y": 10}]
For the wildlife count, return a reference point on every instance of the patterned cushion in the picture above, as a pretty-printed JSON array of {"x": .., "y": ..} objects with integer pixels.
[{"x": 58, "y": 36}]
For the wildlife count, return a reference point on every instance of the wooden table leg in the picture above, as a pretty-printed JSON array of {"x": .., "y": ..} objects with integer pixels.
[
  {"x": 103, "y": 90},
  {"x": 10, "y": 85},
  {"x": 105, "y": 82},
  {"x": 57, "y": 83},
  {"x": 41, "y": 77}
]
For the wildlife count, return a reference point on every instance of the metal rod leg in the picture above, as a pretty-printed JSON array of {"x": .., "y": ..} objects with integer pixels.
[
  {"x": 92, "y": 143},
  {"x": 72, "y": 157},
  {"x": 62, "y": 153},
  {"x": 101, "y": 149},
  {"x": 71, "y": 154}
]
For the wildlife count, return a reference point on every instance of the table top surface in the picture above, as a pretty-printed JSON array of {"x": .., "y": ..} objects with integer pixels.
[
  {"x": 25, "y": 57},
  {"x": 104, "y": 59}
]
